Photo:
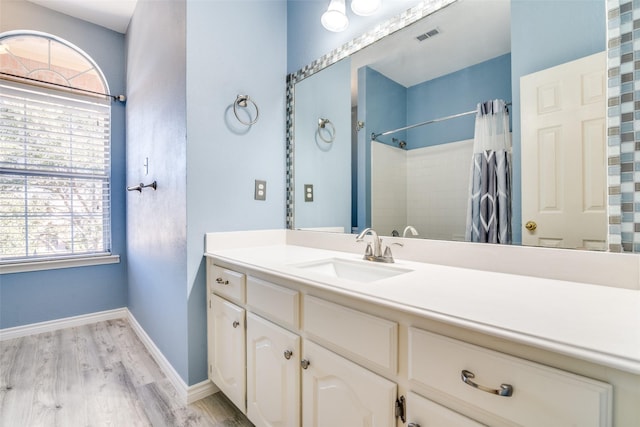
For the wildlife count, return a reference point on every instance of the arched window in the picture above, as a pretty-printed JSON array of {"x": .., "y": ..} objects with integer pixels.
[{"x": 54, "y": 150}]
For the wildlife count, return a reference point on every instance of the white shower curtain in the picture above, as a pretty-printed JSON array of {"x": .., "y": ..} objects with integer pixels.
[{"x": 489, "y": 208}]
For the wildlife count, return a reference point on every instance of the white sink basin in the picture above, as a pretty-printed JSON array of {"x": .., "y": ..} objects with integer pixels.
[{"x": 359, "y": 271}]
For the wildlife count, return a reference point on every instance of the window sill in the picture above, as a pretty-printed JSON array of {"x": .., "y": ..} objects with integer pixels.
[{"x": 23, "y": 267}]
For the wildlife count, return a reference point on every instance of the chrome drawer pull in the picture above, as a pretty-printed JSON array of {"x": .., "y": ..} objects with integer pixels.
[
  {"x": 222, "y": 282},
  {"x": 504, "y": 390}
]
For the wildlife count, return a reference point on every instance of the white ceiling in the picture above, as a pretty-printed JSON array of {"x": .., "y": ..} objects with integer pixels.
[{"x": 112, "y": 14}]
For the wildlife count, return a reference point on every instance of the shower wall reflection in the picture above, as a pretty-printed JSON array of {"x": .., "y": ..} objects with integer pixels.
[{"x": 425, "y": 186}]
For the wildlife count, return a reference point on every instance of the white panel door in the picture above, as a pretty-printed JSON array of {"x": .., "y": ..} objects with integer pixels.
[
  {"x": 564, "y": 170},
  {"x": 337, "y": 392},
  {"x": 273, "y": 374},
  {"x": 227, "y": 356}
]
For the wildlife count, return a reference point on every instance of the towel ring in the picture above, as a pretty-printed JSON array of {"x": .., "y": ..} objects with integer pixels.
[
  {"x": 243, "y": 101},
  {"x": 322, "y": 124}
]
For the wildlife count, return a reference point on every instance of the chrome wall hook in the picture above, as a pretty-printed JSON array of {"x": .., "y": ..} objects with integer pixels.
[
  {"x": 243, "y": 101},
  {"x": 140, "y": 186},
  {"x": 136, "y": 188},
  {"x": 153, "y": 185},
  {"x": 322, "y": 124}
]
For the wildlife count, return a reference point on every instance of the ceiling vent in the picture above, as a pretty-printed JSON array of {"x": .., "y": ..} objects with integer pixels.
[{"x": 428, "y": 34}]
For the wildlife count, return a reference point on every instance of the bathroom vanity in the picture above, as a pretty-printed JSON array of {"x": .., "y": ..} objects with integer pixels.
[{"x": 299, "y": 334}]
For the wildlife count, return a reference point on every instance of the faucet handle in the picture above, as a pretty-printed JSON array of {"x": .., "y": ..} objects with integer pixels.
[
  {"x": 368, "y": 252},
  {"x": 388, "y": 257}
]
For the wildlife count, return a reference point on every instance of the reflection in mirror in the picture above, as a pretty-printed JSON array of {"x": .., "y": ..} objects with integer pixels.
[
  {"x": 323, "y": 170},
  {"x": 445, "y": 64}
]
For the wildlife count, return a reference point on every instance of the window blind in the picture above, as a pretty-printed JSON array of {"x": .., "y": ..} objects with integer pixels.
[{"x": 54, "y": 174}]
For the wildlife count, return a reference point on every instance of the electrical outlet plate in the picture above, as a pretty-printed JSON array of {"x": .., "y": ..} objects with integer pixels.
[
  {"x": 308, "y": 192},
  {"x": 260, "y": 192}
]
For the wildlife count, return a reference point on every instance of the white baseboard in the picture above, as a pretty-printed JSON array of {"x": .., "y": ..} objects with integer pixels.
[
  {"x": 200, "y": 391},
  {"x": 67, "y": 322},
  {"x": 187, "y": 394}
]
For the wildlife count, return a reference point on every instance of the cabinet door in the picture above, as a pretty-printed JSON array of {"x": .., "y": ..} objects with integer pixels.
[
  {"x": 422, "y": 412},
  {"x": 273, "y": 374},
  {"x": 337, "y": 392},
  {"x": 227, "y": 354}
]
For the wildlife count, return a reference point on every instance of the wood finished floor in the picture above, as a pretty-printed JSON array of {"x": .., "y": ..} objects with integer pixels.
[{"x": 96, "y": 375}]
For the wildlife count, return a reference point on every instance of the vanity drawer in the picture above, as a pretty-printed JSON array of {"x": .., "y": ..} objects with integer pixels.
[
  {"x": 226, "y": 283},
  {"x": 425, "y": 413},
  {"x": 358, "y": 336},
  {"x": 277, "y": 303},
  {"x": 541, "y": 396}
]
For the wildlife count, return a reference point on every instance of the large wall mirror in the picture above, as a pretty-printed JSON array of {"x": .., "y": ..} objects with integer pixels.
[{"x": 547, "y": 60}]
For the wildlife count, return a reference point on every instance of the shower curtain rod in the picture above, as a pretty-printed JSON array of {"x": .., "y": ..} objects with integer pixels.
[{"x": 441, "y": 119}]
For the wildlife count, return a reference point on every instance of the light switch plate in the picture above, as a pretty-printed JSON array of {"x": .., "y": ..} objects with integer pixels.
[
  {"x": 308, "y": 192},
  {"x": 260, "y": 192}
]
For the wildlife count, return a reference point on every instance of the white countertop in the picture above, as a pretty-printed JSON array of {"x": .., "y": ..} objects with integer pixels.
[{"x": 596, "y": 323}]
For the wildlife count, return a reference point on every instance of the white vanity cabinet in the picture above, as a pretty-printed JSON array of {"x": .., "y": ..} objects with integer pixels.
[
  {"x": 337, "y": 392},
  {"x": 226, "y": 332},
  {"x": 273, "y": 374},
  {"x": 313, "y": 358}
]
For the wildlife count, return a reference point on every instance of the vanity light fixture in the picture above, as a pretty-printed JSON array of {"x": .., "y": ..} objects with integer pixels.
[
  {"x": 335, "y": 18},
  {"x": 365, "y": 7}
]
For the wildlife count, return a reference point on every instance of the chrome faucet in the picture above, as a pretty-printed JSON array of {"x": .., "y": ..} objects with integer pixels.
[
  {"x": 410, "y": 228},
  {"x": 375, "y": 254}
]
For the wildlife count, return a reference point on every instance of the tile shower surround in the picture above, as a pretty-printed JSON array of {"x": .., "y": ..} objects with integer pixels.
[{"x": 623, "y": 130}]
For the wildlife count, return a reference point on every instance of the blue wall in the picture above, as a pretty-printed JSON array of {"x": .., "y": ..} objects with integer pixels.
[
  {"x": 382, "y": 106},
  {"x": 47, "y": 295},
  {"x": 156, "y": 129},
  {"x": 327, "y": 166},
  {"x": 452, "y": 94},
  {"x": 233, "y": 47}
]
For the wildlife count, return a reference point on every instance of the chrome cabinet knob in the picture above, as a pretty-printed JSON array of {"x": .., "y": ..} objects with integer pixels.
[
  {"x": 305, "y": 363},
  {"x": 288, "y": 354},
  {"x": 236, "y": 324}
]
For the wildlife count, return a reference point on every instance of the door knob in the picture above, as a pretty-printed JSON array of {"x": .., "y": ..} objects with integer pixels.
[{"x": 531, "y": 225}]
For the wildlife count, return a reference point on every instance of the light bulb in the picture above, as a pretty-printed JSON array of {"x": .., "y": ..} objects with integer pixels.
[
  {"x": 365, "y": 7},
  {"x": 335, "y": 18}
]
